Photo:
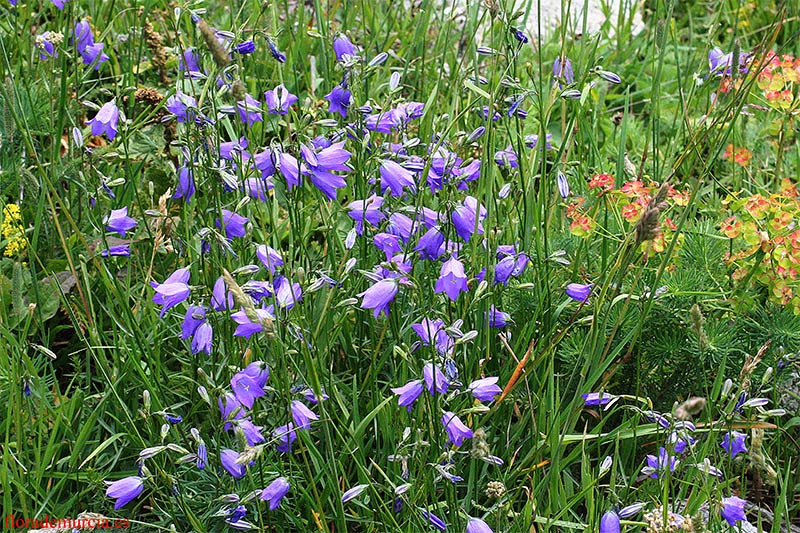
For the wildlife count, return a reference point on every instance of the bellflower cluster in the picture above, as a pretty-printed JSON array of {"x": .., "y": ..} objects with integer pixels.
[{"x": 90, "y": 51}]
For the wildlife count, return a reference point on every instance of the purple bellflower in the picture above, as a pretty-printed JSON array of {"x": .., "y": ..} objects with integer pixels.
[
  {"x": 733, "y": 443},
  {"x": 661, "y": 464},
  {"x": 245, "y": 388},
  {"x": 485, "y": 389},
  {"x": 185, "y": 188},
  {"x": 269, "y": 257},
  {"x": 320, "y": 166},
  {"x": 119, "y": 222},
  {"x": 467, "y": 218},
  {"x": 302, "y": 415},
  {"x": 456, "y": 430},
  {"x": 228, "y": 459},
  {"x": 434, "y": 520},
  {"x": 278, "y": 100},
  {"x": 234, "y": 224},
  {"x": 105, "y": 121},
  {"x": 182, "y": 105},
  {"x": 476, "y": 525},
  {"x": 285, "y": 436},
  {"x": 394, "y": 177},
  {"x": 733, "y": 510},
  {"x": 497, "y": 318},
  {"x": 275, "y": 492},
  {"x": 609, "y": 523},
  {"x": 435, "y": 380},
  {"x": 368, "y": 210},
  {"x": 173, "y": 291},
  {"x": 579, "y": 292},
  {"x": 231, "y": 409},
  {"x": 339, "y": 99},
  {"x": 343, "y": 47},
  {"x": 125, "y": 490},
  {"x": 408, "y": 393},
  {"x": 452, "y": 279},
  {"x": 380, "y": 296},
  {"x": 249, "y": 110}
]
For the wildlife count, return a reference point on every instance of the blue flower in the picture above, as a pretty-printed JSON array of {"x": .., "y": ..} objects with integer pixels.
[
  {"x": 125, "y": 490},
  {"x": 733, "y": 510},
  {"x": 452, "y": 279},
  {"x": 456, "y": 430},
  {"x": 734, "y": 445},
  {"x": 579, "y": 292},
  {"x": 408, "y": 393},
  {"x": 275, "y": 492},
  {"x": 339, "y": 99},
  {"x": 609, "y": 523},
  {"x": 105, "y": 121}
]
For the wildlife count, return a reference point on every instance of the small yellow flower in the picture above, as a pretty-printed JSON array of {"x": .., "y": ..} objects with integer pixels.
[{"x": 13, "y": 231}]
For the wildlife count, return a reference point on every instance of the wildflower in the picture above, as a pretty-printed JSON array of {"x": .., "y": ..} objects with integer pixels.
[
  {"x": 234, "y": 224},
  {"x": 353, "y": 492},
  {"x": 251, "y": 432},
  {"x": 245, "y": 388},
  {"x": 120, "y": 250},
  {"x": 434, "y": 520},
  {"x": 46, "y": 43},
  {"x": 394, "y": 177},
  {"x": 497, "y": 319},
  {"x": 91, "y": 52},
  {"x": 320, "y": 167},
  {"x": 485, "y": 389},
  {"x": 235, "y": 517},
  {"x": 273, "y": 49},
  {"x": 181, "y": 105},
  {"x": 247, "y": 326},
  {"x": 343, "y": 47},
  {"x": 609, "y": 523},
  {"x": 192, "y": 326},
  {"x": 521, "y": 37},
  {"x": 105, "y": 121},
  {"x": 172, "y": 291},
  {"x": 302, "y": 415},
  {"x": 734, "y": 445},
  {"x": 125, "y": 490},
  {"x": 408, "y": 393},
  {"x": 311, "y": 397},
  {"x": 258, "y": 371},
  {"x": 247, "y": 47},
  {"x": 228, "y": 459},
  {"x": 506, "y": 158},
  {"x": 435, "y": 379},
  {"x": 531, "y": 141},
  {"x": 733, "y": 510},
  {"x": 659, "y": 465},
  {"x": 476, "y": 525},
  {"x": 379, "y": 296},
  {"x": 189, "y": 63},
  {"x": 562, "y": 71},
  {"x": 269, "y": 257},
  {"x": 597, "y": 398},
  {"x": 456, "y": 430},
  {"x": 563, "y": 186},
  {"x": 579, "y": 292},
  {"x": 452, "y": 279},
  {"x": 720, "y": 63},
  {"x": 285, "y": 435},
  {"x": 382, "y": 122},
  {"x": 609, "y": 76},
  {"x": 339, "y": 99},
  {"x": 467, "y": 218},
  {"x": 185, "y": 188},
  {"x": 249, "y": 110},
  {"x": 119, "y": 221},
  {"x": 202, "y": 455},
  {"x": 278, "y": 100},
  {"x": 433, "y": 331},
  {"x": 218, "y": 300},
  {"x": 231, "y": 409},
  {"x": 366, "y": 210},
  {"x": 275, "y": 492}
]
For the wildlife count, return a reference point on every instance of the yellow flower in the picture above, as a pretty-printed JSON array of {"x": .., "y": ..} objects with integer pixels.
[{"x": 13, "y": 231}]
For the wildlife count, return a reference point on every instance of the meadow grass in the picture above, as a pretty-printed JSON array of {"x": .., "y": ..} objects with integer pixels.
[{"x": 622, "y": 225}]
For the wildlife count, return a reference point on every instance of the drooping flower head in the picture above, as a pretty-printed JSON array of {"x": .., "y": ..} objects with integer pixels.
[
  {"x": 476, "y": 525},
  {"x": 435, "y": 380},
  {"x": 452, "y": 279},
  {"x": 733, "y": 510},
  {"x": 302, "y": 415},
  {"x": 380, "y": 296},
  {"x": 408, "y": 393},
  {"x": 578, "y": 291},
  {"x": 609, "y": 523},
  {"x": 339, "y": 99},
  {"x": 485, "y": 389},
  {"x": 343, "y": 47},
  {"x": 662, "y": 464},
  {"x": 105, "y": 121},
  {"x": 275, "y": 492},
  {"x": 125, "y": 490},
  {"x": 118, "y": 221},
  {"x": 228, "y": 459},
  {"x": 457, "y": 432},
  {"x": 173, "y": 290}
]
